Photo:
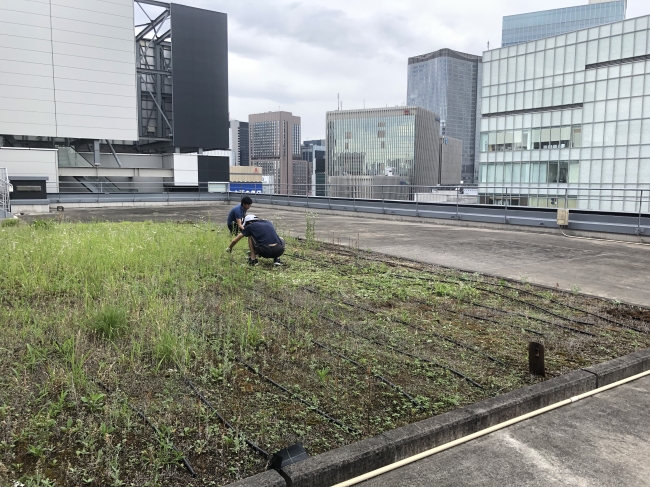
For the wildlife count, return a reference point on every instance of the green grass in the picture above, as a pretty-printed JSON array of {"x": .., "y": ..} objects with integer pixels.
[{"x": 138, "y": 307}]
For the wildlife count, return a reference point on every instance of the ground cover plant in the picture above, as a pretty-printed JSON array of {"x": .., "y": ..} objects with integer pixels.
[{"x": 125, "y": 348}]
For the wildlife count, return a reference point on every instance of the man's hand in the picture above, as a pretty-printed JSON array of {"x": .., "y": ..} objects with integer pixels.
[{"x": 229, "y": 250}]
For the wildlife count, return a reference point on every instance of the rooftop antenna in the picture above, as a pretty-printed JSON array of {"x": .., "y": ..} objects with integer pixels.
[
  {"x": 338, "y": 101},
  {"x": 488, "y": 45}
]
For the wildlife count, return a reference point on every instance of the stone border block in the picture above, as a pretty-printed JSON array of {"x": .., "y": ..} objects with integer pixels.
[
  {"x": 341, "y": 464},
  {"x": 270, "y": 478},
  {"x": 621, "y": 368}
]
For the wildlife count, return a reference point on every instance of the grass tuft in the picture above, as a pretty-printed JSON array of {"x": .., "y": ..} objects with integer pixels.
[{"x": 110, "y": 322}]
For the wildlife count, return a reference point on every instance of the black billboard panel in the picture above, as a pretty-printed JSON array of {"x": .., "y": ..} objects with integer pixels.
[
  {"x": 214, "y": 169},
  {"x": 200, "y": 78}
]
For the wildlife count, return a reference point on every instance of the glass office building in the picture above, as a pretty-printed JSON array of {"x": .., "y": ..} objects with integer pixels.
[
  {"x": 566, "y": 119},
  {"x": 446, "y": 83},
  {"x": 401, "y": 141},
  {"x": 538, "y": 25}
]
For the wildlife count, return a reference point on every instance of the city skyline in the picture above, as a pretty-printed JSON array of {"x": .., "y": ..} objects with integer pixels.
[{"x": 278, "y": 49}]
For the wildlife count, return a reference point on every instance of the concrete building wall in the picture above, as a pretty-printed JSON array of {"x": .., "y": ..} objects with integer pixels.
[
  {"x": 32, "y": 162},
  {"x": 26, "y": 74},
  {"x": 68, "y": 69},
  {"x": 369, "y": 187},
  {"x": 451, "y": 160}
]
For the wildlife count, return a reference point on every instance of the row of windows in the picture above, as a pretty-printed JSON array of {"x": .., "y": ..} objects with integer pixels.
[
  {"x": 549, "y": 172},
  {"x": 594, "y": 33},
  {"x": 598, "y": 91},
  {"x": 564, "y": 60},
  {"x": 607, "y": 172},
  {"x": 534, "y": 32},
  {"x": 581, "y": 12},
  {"x": 532, "y": 139},
  {"x": 600, "y": 74}
]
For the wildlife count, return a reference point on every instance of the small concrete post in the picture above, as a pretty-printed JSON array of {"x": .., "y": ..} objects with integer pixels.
[{"x": 536, "y": 359}]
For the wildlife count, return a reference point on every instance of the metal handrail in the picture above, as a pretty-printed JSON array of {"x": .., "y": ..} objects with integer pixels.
[{"x": 5, "y": 204}]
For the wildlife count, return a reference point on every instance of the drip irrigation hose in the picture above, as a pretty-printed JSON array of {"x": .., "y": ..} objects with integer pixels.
[
  {"x": 184, "y": 460},
  {"x": 349, "y": 429},
  {"x": 352, "y": 361},
  {"x": 596, "y": 315},
  {"x": 568, "y": 328},
  {"x": 480, "y": 318},
  {"x": 454, "y": 312},
  {"x": 410, "y": 325},
  {"x": 403, "y": 352},
  {"x": 252, "y": 445},
  {"x": 395, "y": 349}
]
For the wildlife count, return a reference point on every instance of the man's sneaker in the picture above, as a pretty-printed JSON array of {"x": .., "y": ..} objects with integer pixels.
[
  {"x": 277, "y": 262},
  {"x": 253, "y": 262}
]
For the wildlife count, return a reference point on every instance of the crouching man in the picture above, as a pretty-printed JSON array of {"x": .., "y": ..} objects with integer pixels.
[{"x": 263, "y": 241}]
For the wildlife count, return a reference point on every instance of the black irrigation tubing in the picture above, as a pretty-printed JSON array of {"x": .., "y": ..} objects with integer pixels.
[
  {"x": 225, "y": 422},
  {"x": 397, "y": 320},
  {"x": 403, "y": 352},
  {"x": 464, "y": 314},
  {"x": 410, "y": 325},
  {"x": 352, "y": 361},
  {"x": 442, "y": 337},
  {"x": 186, "y": 462},
  {"x": 395, "y": 349},
  {"x": 349, "y": 429},
  {"x": 568, "y": 328},
  {"x": 574, "y": 308},
  {"x": 481, "y": 318},
  {"x": 580, "y": 310}
]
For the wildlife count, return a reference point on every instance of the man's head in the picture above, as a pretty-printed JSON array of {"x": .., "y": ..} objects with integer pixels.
[
  {"x": 250, "y": 219},
  {"x": 246, "y": 202}
]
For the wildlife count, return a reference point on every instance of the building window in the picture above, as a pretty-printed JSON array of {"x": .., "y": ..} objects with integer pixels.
[
  {"x": 381, "y": 134},
  {"x": 563, "y": 137}
]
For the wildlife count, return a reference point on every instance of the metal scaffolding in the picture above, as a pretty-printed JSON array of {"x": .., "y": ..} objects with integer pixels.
[{"x": 154, "y": 67}]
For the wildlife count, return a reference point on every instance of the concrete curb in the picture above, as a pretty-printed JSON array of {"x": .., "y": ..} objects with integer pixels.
[
  {"x": 270, "y": 478},
  {"x": 349, "y": 461}
]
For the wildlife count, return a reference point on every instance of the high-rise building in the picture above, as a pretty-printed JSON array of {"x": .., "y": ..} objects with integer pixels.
[
  {"x": 446, "y": 82},
  {"x": 239, "y": 144},
  {"x": 538, "y": 25},
  {"x": 401, "y": 141},
  {"x": 313, "y": 151},
  {"x": 274, "y": 145},
  {"x": 566, "y": 116}
]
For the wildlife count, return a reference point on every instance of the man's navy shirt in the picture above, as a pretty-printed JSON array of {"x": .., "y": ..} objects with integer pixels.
[
  {"x": 263, "y": 232},
  {"x": 237, "y": 212}
]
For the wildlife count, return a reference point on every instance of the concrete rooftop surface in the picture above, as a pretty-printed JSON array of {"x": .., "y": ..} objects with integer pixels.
[
  {"x": 599, "y": 441},
  {"x": 615, "y": 270}
]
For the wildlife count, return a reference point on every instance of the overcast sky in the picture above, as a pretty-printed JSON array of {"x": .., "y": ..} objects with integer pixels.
[{"x": 297, "y": 55}]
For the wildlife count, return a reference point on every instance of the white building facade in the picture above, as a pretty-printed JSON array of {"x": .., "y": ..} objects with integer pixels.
[{"x": 566, "y": 120}]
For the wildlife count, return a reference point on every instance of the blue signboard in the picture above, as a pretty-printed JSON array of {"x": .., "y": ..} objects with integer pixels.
[{"x": 246, "y": 188}]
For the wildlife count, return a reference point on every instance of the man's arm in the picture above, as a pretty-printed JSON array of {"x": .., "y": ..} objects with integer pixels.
[
  {"x": 234, "y": 241},
  {"x": 239, "y": 224}
]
